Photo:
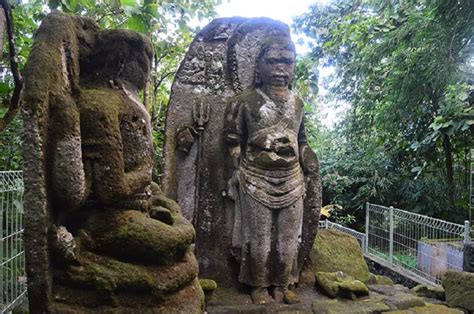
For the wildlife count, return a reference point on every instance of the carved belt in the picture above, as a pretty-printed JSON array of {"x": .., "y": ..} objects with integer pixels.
[{"x": 272, "y": 188}]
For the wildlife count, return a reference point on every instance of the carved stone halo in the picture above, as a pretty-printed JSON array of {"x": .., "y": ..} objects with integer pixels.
[{"x": 244, "y": 47}]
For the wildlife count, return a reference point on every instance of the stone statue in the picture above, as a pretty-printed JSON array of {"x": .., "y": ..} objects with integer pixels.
[
  {"x": 236, "y": 158},
  {"x": 266, "y": 138},
  {"x": 99, "y": 235}
]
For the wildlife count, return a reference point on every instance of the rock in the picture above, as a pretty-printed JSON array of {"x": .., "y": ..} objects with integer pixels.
[
  {"x": 428, "y": 309},
  {"x": 429, "y": 292},
  {"x": 403, "y": 301},
  {"x": 219, "y": 64},
  {"x": 208, "y": 285},
  {"x": 459, "y": 289},
  {"x": 379, "y": 280},
  {"x": 258, "y": 309},
  {"x": 468, "y": 257},
  {"x": 367, "y": 306},
  {"x": 88, "y": 151},
  {"x": 390, "y": 290},
  {"x": 339, "y": 284},
  {"x": 336, "y": 251}
]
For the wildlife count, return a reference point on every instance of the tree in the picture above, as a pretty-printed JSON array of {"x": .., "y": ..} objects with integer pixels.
[
  {"x": 167, "y": 23},
  {"x": 400, "y": 66}
]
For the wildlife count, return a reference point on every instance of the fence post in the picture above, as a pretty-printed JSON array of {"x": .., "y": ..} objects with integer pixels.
[
  {"x": 467, "y": 230},
  {"x": 367, "y": 221},
  {"x": 326, "y": 224},
  {"x": 390, "y": 244}
]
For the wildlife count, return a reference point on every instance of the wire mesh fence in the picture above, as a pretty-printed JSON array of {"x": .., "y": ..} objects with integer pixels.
[
  {"x": 424, "y": 246},
  {"x": 12, "y": 255},
  {"x": 326, "y": 224}
]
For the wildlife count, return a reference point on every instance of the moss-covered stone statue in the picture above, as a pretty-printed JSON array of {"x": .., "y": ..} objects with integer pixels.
[
  {"x": 99, "y": 235},
  {"x": 237, "y": 161}
]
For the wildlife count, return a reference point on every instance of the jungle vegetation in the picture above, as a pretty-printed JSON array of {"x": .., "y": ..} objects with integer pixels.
[{"x": 404, "y": 69}]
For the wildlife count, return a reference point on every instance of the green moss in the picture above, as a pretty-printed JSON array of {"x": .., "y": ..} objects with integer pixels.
[
  {"x": 459, "y": 289},
  {"x": 108, "y": 276},
  {"x": 428, "y": 309},
  {"x": 131, "y": 234},
  {"x": 379, "y": 280},
  {"x": 341, "y": 306},
  {"x": 335, "y": 251},
  {"x": 429, "y": 292},
  {"x": 339, "y": 284},
  {"x": 208, "y": 285}
]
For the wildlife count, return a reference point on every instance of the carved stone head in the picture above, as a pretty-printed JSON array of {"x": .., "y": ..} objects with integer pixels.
[
  {"x": 119, "y": 55},
  {"x": 276, "y": 63}
]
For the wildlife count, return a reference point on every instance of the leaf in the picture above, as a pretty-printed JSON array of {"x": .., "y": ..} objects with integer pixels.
[
  {"x": 152, "y": 9},
  {"x": 136, "y": 23},
  {"x": 463, "y": 96},
  {"x": 129, "y": 3}
]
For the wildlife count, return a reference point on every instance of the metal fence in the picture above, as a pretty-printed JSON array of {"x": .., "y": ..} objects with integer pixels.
[
  {"x": 425, "y": 247},
  {"x": 12, "y": 254},
  {"x": 326, "y": 224}
]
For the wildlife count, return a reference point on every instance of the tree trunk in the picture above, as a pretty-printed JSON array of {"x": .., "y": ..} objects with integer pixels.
[{"x": 449, "y": 169}]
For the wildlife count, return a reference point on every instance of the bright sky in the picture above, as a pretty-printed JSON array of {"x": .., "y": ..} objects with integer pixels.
[
  {"x": 285, "y": 11},
  {"x": 282, "y": 10}
]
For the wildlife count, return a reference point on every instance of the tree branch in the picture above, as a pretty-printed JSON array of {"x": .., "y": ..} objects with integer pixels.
[{"x": 17, "y": 78}]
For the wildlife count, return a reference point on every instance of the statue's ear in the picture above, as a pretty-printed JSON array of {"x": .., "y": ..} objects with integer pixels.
[{"x": 257, "y": 78}]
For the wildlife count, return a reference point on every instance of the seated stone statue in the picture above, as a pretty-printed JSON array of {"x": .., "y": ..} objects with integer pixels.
[
  {"x": 99, "y": 233},
  {"x": 266, "y": 139}
]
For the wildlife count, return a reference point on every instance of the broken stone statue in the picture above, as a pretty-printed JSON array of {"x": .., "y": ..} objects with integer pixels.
[
  {"x": 237, "y": 159},
  {"x": 99, "y": 235}
]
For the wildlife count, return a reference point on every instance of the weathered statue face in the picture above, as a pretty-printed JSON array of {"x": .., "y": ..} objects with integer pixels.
[{"x": 277, "y": 66}]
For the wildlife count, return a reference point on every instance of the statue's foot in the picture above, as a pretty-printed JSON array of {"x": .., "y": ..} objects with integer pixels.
[
  {"x": 282, "y": 294},
  {"x": 260, "y": 296}
]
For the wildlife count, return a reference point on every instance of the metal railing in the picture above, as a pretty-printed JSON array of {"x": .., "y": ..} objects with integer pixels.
[
  {"x": 425, "y": 247},
  {"x": 12, "y": 254},
  {"x": 326, "y": 224}
]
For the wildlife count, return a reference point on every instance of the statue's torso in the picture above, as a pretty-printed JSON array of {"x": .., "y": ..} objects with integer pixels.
[
  {"x": 272, "y": 139},
  {"x": 270, "y": 170}
]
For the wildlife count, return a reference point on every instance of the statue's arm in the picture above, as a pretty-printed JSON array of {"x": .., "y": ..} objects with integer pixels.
[
  {"x": 104, "y": 147},
  {"x": 67, "y": 168},
  {"x": 136, "y": 180},
  {"x": 308, "y": 157},
  {"x": 234, "y": 129}
]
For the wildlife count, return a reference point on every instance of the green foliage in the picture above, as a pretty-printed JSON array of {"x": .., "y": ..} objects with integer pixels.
[
  {"x": 167, "y": 23},
  {"x": 403, "y": 67}
]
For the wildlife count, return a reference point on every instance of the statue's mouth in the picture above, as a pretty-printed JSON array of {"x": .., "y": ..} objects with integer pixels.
[{"x": 281, "y": 78}]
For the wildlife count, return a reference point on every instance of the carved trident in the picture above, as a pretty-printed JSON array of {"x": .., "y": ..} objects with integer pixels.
[{"x": 201, "y": 113}]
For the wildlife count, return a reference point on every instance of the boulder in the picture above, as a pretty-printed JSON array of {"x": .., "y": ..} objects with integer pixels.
[
  {"x": 428, "y": 309},
  {"x": 335, "y": 251},
  {"x": 367, "y": 306},
  {"x": 379, "y": 280},
  {"x": 339, "y": 284},
  {"x": 208, "y": 285},
  {"x": 432, "y": 292},
  {"x": 459, "y": 289}
]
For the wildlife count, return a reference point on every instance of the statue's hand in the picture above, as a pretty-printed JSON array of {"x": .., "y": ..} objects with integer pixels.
[
  {"x": 185, "y": 139},
  {"x": 232, "y": 188},
  {"x": 162, "y": 214}
]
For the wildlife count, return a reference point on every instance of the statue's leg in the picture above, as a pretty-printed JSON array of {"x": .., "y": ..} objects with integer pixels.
[
  {"x": 256, "y": 248},
  {"x": 288, "y": 238}
]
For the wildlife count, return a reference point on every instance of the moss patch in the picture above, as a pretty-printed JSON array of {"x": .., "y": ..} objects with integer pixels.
[
  {"x": 459, "y": 289},
  {"x": 335, "y": 251},
  {"x": 339, "y": 284},
  {"x": 208, "y": 285},
  {"x": 428, "y": 309},
  {"x": 133, "y": 235},
  {"x": 379, "y": 280},
  {"x": 106, "y": 275}
]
